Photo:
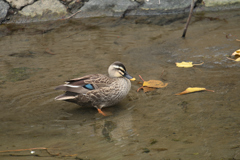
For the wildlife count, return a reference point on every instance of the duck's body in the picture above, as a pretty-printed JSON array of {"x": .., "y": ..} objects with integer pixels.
[{"x": 98, "y": 90}]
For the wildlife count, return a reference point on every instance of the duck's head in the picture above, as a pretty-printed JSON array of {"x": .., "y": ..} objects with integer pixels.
[{"x": 117, "y": 69}]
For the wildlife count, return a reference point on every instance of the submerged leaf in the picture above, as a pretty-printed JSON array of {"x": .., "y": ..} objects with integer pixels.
[
  {"x": 145, "y": 150},
  {"x": 148, "y": 89},
  {"x": 193, "y": 89},
  {"x": 187, "y": 64}
]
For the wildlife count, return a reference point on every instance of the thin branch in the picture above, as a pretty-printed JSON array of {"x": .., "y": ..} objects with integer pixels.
[
  {"x": 141, "y": 77},
  {"x": 71, "y": 15},
  {"x": 189, "y": 18},
  {"x": 161, "y": 74},
  {"x": 29, "y": 149}
]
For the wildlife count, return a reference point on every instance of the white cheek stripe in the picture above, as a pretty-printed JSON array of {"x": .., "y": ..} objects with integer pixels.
[
  {"x": 115, "y": 66},
  {"x": 72, "y": 86}
]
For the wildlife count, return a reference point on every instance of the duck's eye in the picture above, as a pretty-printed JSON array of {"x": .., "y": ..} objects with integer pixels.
[{"x": 121, "y": 72}]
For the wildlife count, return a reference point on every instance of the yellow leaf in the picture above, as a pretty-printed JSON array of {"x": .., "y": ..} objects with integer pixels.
[
  {"x": 193, "y": 89},
  {"x": 154, "y": 84},
  {"x": 184, "y": 64},
  {"x": 236, "y": 53},
  {"x": 151, "y": 85},
  {"x": 187, "y": 64}
]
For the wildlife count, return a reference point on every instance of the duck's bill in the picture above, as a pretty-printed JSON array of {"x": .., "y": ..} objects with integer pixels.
[
  {"x": 133, "y": 79},
  {"x": 127, "y": 76}
]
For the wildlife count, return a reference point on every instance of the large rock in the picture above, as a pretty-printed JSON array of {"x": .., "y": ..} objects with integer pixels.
[
  {"x": 137, "y": 7},
  {"x": 105, "y": 7},
  {"x": 44, "y": 10},
  {"x": 210, "y": 3},
  {"x": 52, "y": 8},
  {"x": 3, "y": 10},
  {"x": 166, "y": 5},
  {"x": 19, "y": 3}
]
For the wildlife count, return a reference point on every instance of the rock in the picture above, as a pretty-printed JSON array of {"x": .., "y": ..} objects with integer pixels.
[
  {"x": 165, "y": 5},
  {"x": 3, "y": 10},
  {"x": 75, "y": 5},
  {"x": 209, "y": 3},
  {"x": 19, "y": 3},
  {"x": 105, "y": 7},
  {"x": 44, "y": 8}
]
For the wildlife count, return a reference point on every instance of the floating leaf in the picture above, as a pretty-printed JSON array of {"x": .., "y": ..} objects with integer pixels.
[
  {"x": 187, "y": 64},
  {"x": 154, "y": 84},
  {"x": 193, "y": 89},
  {"x": 184, "y": 64},
  {"x": 151, "y": 85},
  {"x": 236, "y": 53}
]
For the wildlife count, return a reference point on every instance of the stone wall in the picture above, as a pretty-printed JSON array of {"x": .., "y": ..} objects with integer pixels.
[{"x": 25, "y": 11}]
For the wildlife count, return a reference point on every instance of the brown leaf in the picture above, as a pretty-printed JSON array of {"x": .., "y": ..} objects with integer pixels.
[
  {"x": 147, "y": 89},
  {"x": 154, "y": 84},
  {"x": 151, "y": 85}
]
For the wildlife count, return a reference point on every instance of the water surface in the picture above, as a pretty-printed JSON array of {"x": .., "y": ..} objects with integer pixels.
[{"x": 35, "y": 58}]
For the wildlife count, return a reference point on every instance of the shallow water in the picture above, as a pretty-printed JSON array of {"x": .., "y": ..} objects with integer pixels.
[{"x": 36, "y": 58}]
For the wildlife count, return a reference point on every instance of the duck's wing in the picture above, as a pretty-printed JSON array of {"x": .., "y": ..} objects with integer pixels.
[{"x": 85, "y": 84}]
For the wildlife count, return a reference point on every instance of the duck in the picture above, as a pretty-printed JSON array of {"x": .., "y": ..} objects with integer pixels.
[{"x": 98, "y": 90}]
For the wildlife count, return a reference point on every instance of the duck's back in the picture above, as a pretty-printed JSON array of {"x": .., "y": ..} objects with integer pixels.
[{"x": 95, "y": 90}]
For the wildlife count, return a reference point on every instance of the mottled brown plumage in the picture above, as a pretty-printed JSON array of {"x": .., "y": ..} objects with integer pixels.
[{"x": 97, "y": 90}]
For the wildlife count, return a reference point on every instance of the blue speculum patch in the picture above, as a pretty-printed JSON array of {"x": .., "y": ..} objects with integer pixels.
[{"x": 89, "y": 86}]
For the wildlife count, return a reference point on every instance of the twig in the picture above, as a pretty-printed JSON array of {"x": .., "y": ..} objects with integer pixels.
[
  {"x": 142, "y": 86},
  {"x": 161, "y": 74},
  {"x": 189, "y": 18},
  {"x": 49, "y": 52},
  {"x": 210, "y": 90},
  {"x": 29, "y": 149},
  {"x": 141, "y": 77},
  {"x": 139, "y": 89},
  {"x": 71, "y": 15},
  {"x": 198, "y": 64}
]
